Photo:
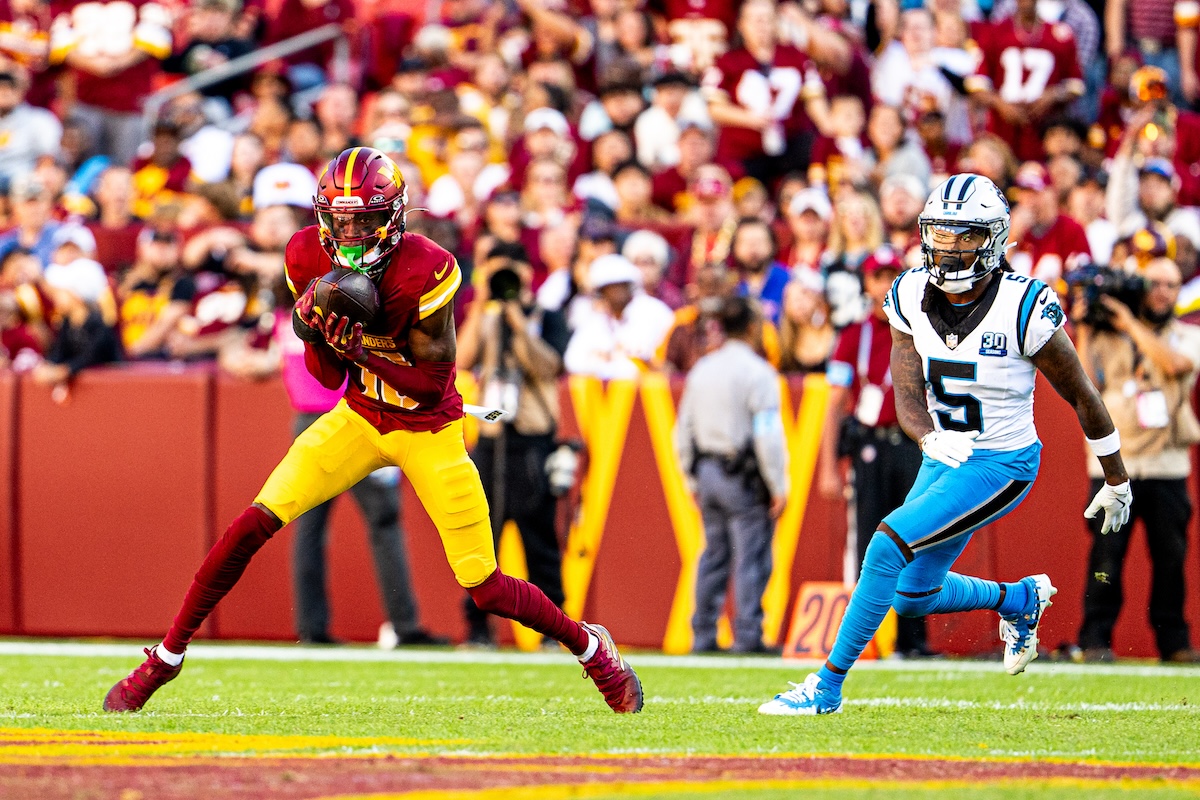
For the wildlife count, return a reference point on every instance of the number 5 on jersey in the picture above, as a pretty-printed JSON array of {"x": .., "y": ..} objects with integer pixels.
[{"x": 971, "y": 418}]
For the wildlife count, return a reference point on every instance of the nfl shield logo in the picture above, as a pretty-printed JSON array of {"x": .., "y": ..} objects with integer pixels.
[{"x": 952, "y": 340}]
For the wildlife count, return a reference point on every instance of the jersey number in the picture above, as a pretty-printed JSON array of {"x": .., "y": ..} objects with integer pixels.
[
  {"x": 374, "y": 387},
  {"x": 1016, "y": 61},
  {"x": 941, "y": 371},
  {"x": 773, "y": 94}
]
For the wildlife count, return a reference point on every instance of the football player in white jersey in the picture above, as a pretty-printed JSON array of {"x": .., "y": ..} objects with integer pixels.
[{"x": 967, "y": 337}]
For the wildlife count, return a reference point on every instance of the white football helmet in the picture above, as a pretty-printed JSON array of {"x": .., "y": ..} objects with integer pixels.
[{"x": 964, "y": 205}]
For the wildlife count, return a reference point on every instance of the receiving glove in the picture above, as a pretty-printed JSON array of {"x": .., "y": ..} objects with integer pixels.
[
  {"x": 1115, "y": 500},
  {"x": 345, "y": 339},
  {"x": 951, "y": 448},
  {"x": 306, "y": 326}
]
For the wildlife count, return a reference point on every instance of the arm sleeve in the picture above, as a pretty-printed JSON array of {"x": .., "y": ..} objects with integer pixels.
[
  {"x": 424, "y": 381},
  {"x": 767, "y": 428},
  {"x": 896, "y": 315},
  {"x": 1038, "y": 317},
  {"x": 324, "y": 365}
]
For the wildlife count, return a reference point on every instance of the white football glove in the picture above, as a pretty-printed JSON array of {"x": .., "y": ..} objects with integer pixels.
[
  {"x": 951, "y": 448},
  {"x": 1115, "y": 500}
]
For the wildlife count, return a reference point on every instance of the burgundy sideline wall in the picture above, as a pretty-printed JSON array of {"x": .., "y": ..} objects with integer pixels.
[{"x": 108, "y": 504}]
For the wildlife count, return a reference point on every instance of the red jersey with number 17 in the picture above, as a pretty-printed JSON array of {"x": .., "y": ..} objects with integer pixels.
[
  {"x": 1020, "y": 65},
  {"x": 420, "y": 278}
]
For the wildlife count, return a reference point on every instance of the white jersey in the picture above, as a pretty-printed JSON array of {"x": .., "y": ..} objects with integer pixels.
[{"x": 978, "y": 375}]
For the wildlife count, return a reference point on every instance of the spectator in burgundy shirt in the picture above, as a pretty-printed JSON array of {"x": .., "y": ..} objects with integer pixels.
[
  {"x": 114, "y": 56},
  {"x": 115, "y": 228},
  {"x": 19, "y": 347},
  {"x": 695, "y": 150},
  {"x": 163, "y": 172},
  {"x": 1049, "y": 243},
  {"x": 308, "y": 68}
]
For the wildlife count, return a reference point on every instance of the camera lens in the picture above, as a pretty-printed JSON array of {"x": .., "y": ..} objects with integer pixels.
[{"x": 505, "y": 284}]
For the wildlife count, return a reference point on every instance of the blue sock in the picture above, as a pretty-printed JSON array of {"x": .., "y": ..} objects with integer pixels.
[
  {"x": 1016, "y": 599},
  {"x": 868, "y": 606},
  {"x": 967, "y": 593}
]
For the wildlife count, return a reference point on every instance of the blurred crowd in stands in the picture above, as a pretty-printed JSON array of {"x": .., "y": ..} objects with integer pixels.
[{"x": 717, "y": 146}]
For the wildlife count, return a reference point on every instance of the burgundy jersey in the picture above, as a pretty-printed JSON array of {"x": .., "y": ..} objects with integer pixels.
[
  {"x": 25, "y": 39},
  {"x": 420, "y": 278},
  {"x": 1020, "y": 66},
  {"x": 700, "y": 28},
  {"x": 114, "y": 28},
  {"x": 1049, "y": 256},
  {"x": 864, "y": 355},
  {"x": 778, "y": 90}
]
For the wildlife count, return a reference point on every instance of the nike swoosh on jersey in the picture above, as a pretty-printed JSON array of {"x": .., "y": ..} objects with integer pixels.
[{"x": 439, "y": 275}]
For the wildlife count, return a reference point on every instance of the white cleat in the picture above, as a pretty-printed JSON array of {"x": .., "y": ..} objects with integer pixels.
[
  {"x": 1019, "y": 632},
  {"x": 806, "y": 699}
]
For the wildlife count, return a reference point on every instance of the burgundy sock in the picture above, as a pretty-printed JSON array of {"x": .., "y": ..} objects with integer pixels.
[
  {"x": 522, "y": 601},
  {"x": 222, "y": 567}
]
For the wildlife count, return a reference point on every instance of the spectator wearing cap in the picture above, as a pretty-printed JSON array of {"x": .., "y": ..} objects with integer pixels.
[
  {"x": 729, "y": 439},
  {"x": 769, "y": 138},
  {"x": 547, "y": 135},
  {"x": 113, "y": 51},
  {"x": 154, "y": 296},
  {"x": 1049, "y": 243},
  {"x": 622, "y": 338},
  {"x": 163, "y": 173},
  {"x": 283, "y": 184},
  {"x": 892, "y": 150},
  {"x": 657, "y": 130},
  {"x": 760, "y": 277},
  {"x": 806, "y": 332},
  {"x": 212, "y": 40},
  {"x": 84, "y": 337},
  {"x": 33, "y": 218},
  {"x": 28, "y": 133},
  {"x": 808, "y": 216},
  {"x": 115, "y": 229},
  {"x": 1152, "y": 197},
  {"x": 650, "y": 253},
  {"x": 751, "y": 199},
  {"x": 861, "y": 428},
  {"x": 635, "y": 206},
  {"x": 710, "y": 214},
  {"x": 695, "y": 145}
]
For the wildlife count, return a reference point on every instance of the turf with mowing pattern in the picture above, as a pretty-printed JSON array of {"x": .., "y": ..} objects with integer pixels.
[{"x": 465, "y": 708}]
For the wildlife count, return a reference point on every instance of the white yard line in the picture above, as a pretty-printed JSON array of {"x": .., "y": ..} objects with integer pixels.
[{"x": 209, "y": 652}]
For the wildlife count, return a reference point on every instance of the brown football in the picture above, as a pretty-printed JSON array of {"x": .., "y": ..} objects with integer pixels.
[{"x": 346, "y": 293}]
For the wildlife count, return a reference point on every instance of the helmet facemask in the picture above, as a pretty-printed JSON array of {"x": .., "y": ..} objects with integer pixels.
[
  {"x": 361, "y": 238},
  {"x": 959, "y": 254}
]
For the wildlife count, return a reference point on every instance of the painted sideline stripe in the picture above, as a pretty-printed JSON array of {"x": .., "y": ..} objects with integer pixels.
[{"x": 210, "y": 652}]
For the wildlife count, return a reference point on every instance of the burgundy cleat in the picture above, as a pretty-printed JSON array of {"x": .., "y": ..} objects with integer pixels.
[
  {"x": 615, "y": 679},
  {"x": 132, "y": 692}
]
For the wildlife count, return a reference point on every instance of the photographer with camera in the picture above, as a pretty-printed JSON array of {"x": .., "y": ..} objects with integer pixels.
[
  {"x": 517, "y": 349},
  {"x": 1145, "y": 362},
  {"x": 729, "y": 438}
]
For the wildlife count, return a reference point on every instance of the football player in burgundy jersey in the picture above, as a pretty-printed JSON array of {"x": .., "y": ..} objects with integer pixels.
[
  {"x": 764, "y": 96},
  {"x": 400, "y": 408},
  {"x": 1029, "y": 70}
]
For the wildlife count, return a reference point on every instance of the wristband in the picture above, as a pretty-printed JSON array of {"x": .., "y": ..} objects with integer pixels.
[{"x": 1105, "y": 445}]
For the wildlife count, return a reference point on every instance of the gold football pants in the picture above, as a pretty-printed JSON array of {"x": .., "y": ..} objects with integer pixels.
[{"x": 341, "y": 448}]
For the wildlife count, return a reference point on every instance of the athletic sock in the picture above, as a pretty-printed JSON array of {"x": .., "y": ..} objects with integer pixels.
[
  {"x": 174, "y": 659},
  {"x": 592, "y": 646},
  {"x": 1016, "y": 599},
  {"x": 832, "y": 680},
  {"x": 520, "y": 600},
  {"x": 222, "y": 567},
  {"x": 868, "y": 606},
  {"x": 965, "y": 593}
]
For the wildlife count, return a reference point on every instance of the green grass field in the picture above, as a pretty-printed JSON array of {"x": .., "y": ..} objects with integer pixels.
[{"x": 451, "y": 704}]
